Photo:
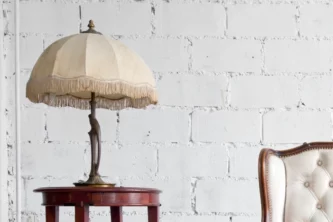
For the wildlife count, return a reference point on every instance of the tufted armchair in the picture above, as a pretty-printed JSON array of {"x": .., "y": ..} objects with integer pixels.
[{"x": 296, "y": 185}]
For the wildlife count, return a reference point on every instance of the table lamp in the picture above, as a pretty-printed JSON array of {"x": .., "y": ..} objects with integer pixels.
[{"x": 88, "y": 71}]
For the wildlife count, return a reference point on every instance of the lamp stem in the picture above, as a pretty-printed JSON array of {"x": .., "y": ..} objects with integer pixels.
[{"x": 95, "y": 140}]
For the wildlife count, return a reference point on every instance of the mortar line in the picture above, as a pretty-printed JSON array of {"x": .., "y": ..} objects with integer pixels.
[
  {"x": 153, "y": 6},
  {"x": 117, "y": 139},
  {"x": 46, "y": 138},
  {"x": 263, "y": 56},
  {"x": 157, "y": 162},
  {"x": 228, "y": 161},
  {"x": 297, "y": 21},
  {"x": 189, "y": 48},
  {"x": 226, "y": 24},
  {"x": 194, "y": 182},
  {"x": 299, "y": 91},
  {"x": 190, "y": 127}
]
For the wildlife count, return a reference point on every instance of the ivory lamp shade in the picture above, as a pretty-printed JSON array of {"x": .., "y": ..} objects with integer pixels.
[{"x": 70, "y": 69}]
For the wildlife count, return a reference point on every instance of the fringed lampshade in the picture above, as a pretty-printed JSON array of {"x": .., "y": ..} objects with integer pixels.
[
  {"x": 90, "y": 70},
  {"x": 71, "y": 68}
]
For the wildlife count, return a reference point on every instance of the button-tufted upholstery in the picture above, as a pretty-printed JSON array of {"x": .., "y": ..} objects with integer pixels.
[{"x": 296, "y": 185}]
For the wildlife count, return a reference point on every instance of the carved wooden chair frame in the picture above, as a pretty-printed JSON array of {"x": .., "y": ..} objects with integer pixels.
[{"x": 262, "y": 168}]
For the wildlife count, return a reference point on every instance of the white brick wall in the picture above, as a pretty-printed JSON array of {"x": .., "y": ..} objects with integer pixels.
[
  {"x": 51, "y": 155},
  {"x": 190, "y": 90},
  {"x": 316, "y": 20},
  {"x": 233, "y": 77},
  {"x": 162, "y": 55},
  {"x": 124, "y": 19},
  {"x": 190, "y": 19},
  {"x": 140, "y": 161},
  {"x": 296, "y": 126},
  {"x": 244, "y": 161},
  {"x": 298, "y": 56},
  {"x": 264, "y": 91},
  {"x": 316, "y": 91},
  {"x": 185, "y": 161},
  {"x": 227, "y": 55},
  {"x": 262, "y": 20},
  {"x": 49, "y": 18},
  {"x": 154, "y": 126},
  {"x": 226, "y": 126},
  {"x": 30, "y": 49},
  {"x": 227, "y": 196}
]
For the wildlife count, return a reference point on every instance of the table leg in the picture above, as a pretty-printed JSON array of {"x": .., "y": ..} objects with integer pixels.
[
  {"x": 153, "y": 214},
  {"x": 116, "y": 214},
  {"x": 82, "y": 213},
  {"x": 52, "y": 213}
]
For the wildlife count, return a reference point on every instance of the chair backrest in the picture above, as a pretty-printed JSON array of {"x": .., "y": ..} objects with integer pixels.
[{"x": 296, "y": 185}]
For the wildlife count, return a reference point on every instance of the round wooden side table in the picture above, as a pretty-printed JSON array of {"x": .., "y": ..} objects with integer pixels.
[{"x": 83, "y": 197}]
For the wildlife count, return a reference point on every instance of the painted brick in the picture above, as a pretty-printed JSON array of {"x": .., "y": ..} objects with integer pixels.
[
  {"x": 140, "y": 161},
  {"x": 176, "y": 195},
  {"x": 316, "y": 20},
  {"x": 128, "y": 218},
  {"x": 215, "y": 196},
  {"x": 316, "y": 91},
  {"x": 296, "y": 127},
  {"x": 50, "y": 18},
  {"x": 33, "y": 125},
  {"x": 262, "y": 20},
  {"x": 9, "y": 55},
  {"x": 123, "y": 19},
  {"x": 190, "y": 19},
  {"x": 189, "y": 90},
  {"x": 195, "y": 218},
  {"x": 8, "y": 18},
  {"x": 69, "y": 124},
  {"x": 246, "y": 219},
  {"x": 298, "y": 56},
  {"x": 264, "y": 91},
  {"x": 30, "y": 49},
  {"x": 227, "y": 55},
  {"x": 183, "y": 161},
  {"x": 30, "y": 200},
  {"x": 226, "y": 126},
  {"x": 161, "y": 54},
  {"x": 244, "y": 161},
  {"x": 154, "y": 126},
  {"x": 41, "y": 160},
  {"x": 29, "y": 218}
]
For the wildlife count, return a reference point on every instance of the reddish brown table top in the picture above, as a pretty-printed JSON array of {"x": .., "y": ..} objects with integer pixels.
[{"x": 99, "y": 196}]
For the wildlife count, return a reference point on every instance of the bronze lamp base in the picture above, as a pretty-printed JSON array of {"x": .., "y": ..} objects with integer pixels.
[{"x": 94, "y": 182}]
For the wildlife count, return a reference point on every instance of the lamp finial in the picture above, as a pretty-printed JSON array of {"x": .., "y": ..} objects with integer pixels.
[
  {"x": 91, "y": 24},
  {"x": 91, "y": 29}
]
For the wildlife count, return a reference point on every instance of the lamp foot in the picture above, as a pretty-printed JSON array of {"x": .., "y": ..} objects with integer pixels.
[{"x": 94, "y": 181}]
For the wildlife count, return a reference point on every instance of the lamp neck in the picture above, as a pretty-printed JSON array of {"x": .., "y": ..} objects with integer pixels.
[{"x": 93, "y": 105}]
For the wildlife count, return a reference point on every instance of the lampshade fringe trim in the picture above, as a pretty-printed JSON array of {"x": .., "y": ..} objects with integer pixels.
[{"x": 58, "y": 92}]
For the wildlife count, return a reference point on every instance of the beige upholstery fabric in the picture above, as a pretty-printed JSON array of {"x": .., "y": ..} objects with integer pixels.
[
  {"x": 71, "y": 68},
  {"x": 308, "y": 186}
]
